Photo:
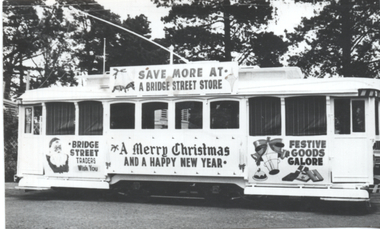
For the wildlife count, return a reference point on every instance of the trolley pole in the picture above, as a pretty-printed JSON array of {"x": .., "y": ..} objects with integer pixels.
[{"x": 130, "y": 31}]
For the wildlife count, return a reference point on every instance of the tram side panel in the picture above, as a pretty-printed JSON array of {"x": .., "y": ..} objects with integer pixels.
[
  {"x": 64, "y": 161},
  {"x": 52, "y": 155},
  {"x": 289, "y": 160},
  {"x": 79, "y": 156},
  {"x": 181, "y": 153},
  {"x": 310, "y": 155}
]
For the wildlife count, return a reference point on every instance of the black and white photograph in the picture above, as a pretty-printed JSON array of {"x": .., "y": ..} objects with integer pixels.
[{"x": 191, "y": 114}]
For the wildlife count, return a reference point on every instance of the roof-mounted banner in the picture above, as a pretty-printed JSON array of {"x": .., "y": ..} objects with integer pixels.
[{"x": 179, "y": 79}]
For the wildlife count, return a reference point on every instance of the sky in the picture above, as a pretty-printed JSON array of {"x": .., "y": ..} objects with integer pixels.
[{"x": 289, "y": 13}]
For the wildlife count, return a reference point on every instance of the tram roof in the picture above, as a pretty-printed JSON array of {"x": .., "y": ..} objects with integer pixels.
[
  {"x": 328, "y": 86},
  {"x": 250, "y": 81}
]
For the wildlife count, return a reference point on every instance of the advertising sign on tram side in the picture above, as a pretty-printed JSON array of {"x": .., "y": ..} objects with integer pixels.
[
  {"x": 289, "y": 161},
  {"x": 179, "y": 79},
  {"x": 73, "y": 157},
  {"x": 172, "y": 157}
]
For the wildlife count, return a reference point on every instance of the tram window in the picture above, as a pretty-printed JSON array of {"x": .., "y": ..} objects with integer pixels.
[
  {"x": 154, "y": 115},
  {"x": 90, "y": 118},
  {"x": 349, "y": 114},
  {"x": 264, "y": 116},
  {"x": 28, "y": 120},
  {"x": 305, "y": 116},
  {"x": 377, "y": 117},
  {"x": 122, "y": 116},
  {"x": 342, "y": 116},
  {"x": 188, "y": 115},
  {"x": 37, "y": 120},
  {"x": 358, "y": 112},
  {"x": 224, "y": 115},
  {"x": 60, "y": 118}
]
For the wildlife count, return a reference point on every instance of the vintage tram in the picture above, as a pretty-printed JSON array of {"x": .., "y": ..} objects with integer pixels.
[{"x": 213, "y": 126}]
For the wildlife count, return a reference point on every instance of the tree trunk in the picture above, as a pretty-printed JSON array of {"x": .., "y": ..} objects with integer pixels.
[
  {"x": 22, "y": 83},
  {"x": 227, "y": 31},
  {"x": 6, "y": 86},
  {"x": 346, "y": 38}
]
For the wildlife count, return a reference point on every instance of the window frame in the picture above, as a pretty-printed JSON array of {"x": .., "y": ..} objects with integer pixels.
[
  {"x": 168, "y": 113},
  {"x": 351, "y": 100},
  {"x": 352, "y": 117},
  {"x": 135, "y": 124},
  {"x": 298, "y": 134},
  {"x": 377, "y": 118},
  {"x": 74, "y": 121},
  {"x": 203, "y": 106},
  {"x": 31, "y": 108},
  {"x": 240, "y": 113},
  {"x": 280, "y": 113},
  {"x": 80, "y": 123}
]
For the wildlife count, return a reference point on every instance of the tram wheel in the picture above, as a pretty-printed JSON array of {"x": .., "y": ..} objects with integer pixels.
[
  {"x": 362, "y": 208},
  {"x": 366, "y": 207}
]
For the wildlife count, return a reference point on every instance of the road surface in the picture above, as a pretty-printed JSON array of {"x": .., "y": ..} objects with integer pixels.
[{"x": 85, "y": 209}]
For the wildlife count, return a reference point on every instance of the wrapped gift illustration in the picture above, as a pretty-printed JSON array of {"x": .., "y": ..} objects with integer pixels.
[
  {"x": 304, "y": 174},
  {"x": 314, "y": 175}
]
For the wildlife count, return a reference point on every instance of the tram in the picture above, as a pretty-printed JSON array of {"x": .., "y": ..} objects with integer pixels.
[{"x": 212, "y": 126}]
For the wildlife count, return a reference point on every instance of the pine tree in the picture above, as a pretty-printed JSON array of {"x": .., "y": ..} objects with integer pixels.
[
  {"x": 342, "y": 40},
  {"x": 222, "y": 30}
]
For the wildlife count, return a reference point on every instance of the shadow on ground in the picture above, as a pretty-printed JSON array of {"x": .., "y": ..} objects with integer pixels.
[{"x": 264, "y": 203}]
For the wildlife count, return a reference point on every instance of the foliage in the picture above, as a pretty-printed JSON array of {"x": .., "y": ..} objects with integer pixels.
[
  {"x": 221, "y": 29},
  {"x": 343, "y": 40},
  {"x": 10, "y": 141},
  {"x": 268, "y": 48},
  {"x": 122, "y": 48},
  {"x": 55, "y": 48},
  {"x": 90, "y": 34},
  {"x": 136, "y": 51},
  {"x": 19, "y": 36},
  {"x": 34, "y": 44},
  {"x": 53, "y": 43}
]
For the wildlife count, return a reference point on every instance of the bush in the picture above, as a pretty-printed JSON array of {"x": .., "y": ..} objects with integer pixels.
[{"x": 10, "y": 141}]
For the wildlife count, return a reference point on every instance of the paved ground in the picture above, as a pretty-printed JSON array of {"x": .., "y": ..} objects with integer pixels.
[{"x": 83, "y": 209}]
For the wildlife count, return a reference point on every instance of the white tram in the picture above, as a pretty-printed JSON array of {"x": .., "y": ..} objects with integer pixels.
[{"x": 210, "y": 125}]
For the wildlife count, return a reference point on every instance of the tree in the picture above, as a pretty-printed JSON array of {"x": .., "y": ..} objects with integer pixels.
[
  {"x": 10, "y": 124},
  {"x": 219, "y": 30},
  {"x": 90, "y": 34},
  {"x": 122, "y": 48},
  {"x": 266, "y": 50},
  {"x": 343, "y": 39},
  {"x": 129, "y": 50},
  {"x": 20, "y": 23},
  {"x": 46, "y": 44},
  {"x": 55, "y": 49},
  {"x": 35, "y": 45}
]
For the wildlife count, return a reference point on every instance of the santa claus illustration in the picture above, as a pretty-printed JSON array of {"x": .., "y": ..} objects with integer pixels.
[{"x": 58, "y": 161}]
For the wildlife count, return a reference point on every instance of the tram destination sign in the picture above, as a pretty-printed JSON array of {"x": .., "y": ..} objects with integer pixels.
[{"x": 179, "y": 79}]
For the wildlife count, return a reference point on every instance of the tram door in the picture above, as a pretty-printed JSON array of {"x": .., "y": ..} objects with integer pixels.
[
  {"x": 30, "y": 155},
  {"x": 351, "y": 146}
]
